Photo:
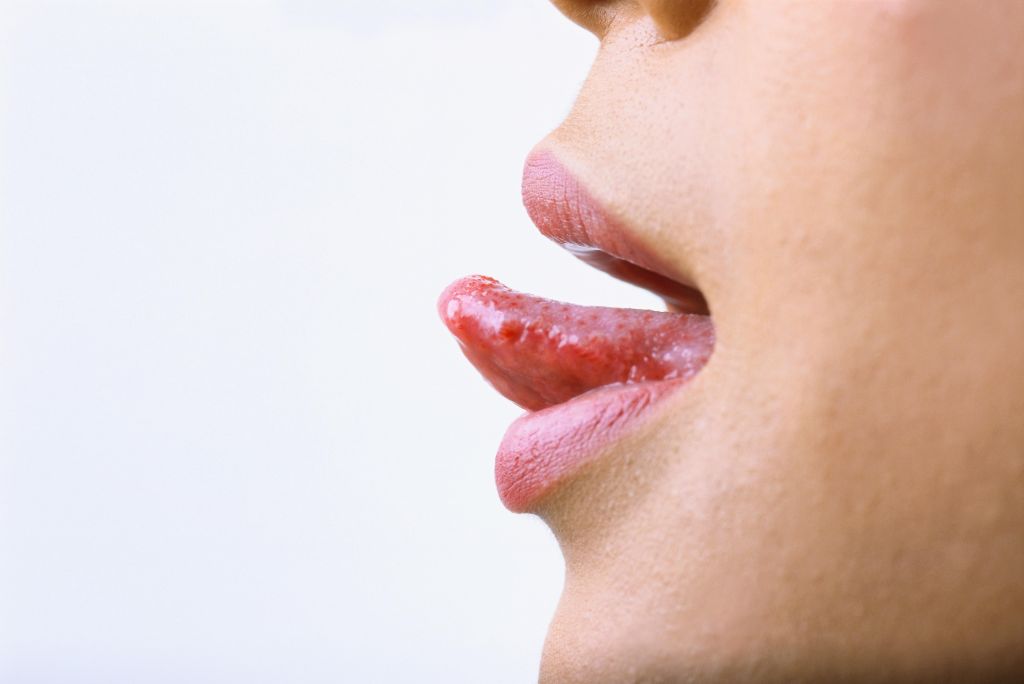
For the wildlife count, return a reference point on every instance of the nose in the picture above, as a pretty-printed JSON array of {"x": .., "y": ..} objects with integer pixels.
[{"x": 674, "y": 19}]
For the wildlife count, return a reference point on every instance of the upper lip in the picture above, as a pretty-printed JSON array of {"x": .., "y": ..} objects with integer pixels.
[{"x": 564, "y": 211}]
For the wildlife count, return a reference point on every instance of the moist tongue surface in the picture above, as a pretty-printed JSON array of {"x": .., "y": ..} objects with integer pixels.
[{"x": 539, "y": 352}]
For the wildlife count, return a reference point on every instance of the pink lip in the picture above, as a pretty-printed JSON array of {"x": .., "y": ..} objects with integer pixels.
[
  {"x": 564, "y": 211},
  {"x": 544, "y": 449},
  {"x": 589, "y": 375}
]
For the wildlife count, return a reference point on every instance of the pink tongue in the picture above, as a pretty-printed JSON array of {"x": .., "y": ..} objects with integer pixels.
[{"x": 539, "y": 352}]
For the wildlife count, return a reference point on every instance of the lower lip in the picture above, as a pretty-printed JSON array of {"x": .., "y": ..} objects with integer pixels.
[{"x": 544, "y": 450}]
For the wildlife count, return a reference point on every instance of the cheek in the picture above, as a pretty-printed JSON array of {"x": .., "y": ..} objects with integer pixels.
[
  {"x": 840, "y": 129},
  {"x": 854, "y": 160},
  {"x": 864, "y": 187}
]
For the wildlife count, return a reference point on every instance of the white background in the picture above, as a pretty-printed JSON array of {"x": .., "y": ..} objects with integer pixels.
[{"x": 236, "y": 444}]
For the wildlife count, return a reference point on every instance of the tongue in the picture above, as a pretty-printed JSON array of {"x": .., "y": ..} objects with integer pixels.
[{"x": 538, "y": 352}]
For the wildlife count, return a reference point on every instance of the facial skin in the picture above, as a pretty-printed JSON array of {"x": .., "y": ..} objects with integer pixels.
[{"x": 839, "y": 495}]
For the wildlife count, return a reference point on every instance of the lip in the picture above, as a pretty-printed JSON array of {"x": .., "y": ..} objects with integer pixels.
[
  {"x": 564, "y": 211},
  {"x": 542, "y": 450},
  {"x": 590, "y": 375}
]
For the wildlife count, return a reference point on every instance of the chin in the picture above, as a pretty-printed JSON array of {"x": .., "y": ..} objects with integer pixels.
[{"x": 594, "y": 640}]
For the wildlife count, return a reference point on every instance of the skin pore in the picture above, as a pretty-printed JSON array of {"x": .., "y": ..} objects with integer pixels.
[{"x": 839, "y": 494}]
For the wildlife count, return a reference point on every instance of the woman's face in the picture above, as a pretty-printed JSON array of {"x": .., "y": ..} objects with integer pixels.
[{"x": 841, "y": 488}]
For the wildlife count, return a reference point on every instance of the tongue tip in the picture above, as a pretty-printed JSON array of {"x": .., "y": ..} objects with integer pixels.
[{"x": 468, "y": 286}]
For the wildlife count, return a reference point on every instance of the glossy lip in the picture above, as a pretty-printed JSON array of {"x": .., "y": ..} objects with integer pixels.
[
  {"x": 543, "y": 450},
  {"x": 564, "y": 211}
]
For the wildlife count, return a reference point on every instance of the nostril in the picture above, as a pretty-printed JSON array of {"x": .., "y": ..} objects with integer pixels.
[
  {"x": 676, "y": 19},
  {"x": 673, "y": 19},
  {"x": 594, "y": 15}
]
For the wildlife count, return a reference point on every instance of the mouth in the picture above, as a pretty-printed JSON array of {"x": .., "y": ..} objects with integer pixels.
[{"x": 586, "y": 375}]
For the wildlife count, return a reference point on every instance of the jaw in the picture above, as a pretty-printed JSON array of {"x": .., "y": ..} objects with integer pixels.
[
  {"x": 744, "y": 533},
  {"x": 799, "y": 511}
]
